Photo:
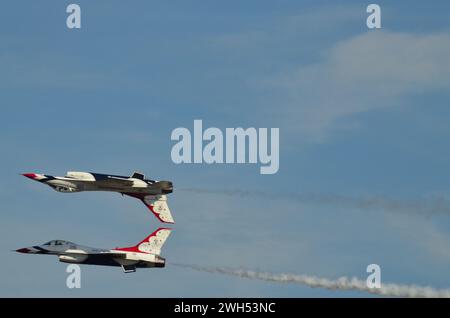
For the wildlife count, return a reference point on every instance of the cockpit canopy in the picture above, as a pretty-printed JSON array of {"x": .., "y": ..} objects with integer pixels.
[{"x": 58, "y": 243}]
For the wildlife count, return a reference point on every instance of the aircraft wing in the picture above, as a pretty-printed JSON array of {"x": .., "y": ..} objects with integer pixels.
[
  {"x": 157, "y": 204},
  {"x": 112, "y": 182},
  {"x": 110, "y": 254},
  {"x": 107, "y": 258},
  {"x": 96, "y": 253}
]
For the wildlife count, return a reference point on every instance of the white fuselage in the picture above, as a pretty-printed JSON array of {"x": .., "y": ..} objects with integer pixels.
[
  {"x": 152, "y": 193},
  {"x": 73, "y": 185},
  {"x": 86, "y": 181},
  {"x": 68, "y": 252}
]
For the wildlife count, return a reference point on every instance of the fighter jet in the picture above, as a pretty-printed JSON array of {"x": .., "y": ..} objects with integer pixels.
[
  {"x": 143, "y": 255},
  {"x": 152, "y": 193}
]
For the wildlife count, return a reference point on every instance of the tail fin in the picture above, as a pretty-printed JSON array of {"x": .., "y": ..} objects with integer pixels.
[
  {"x": 155, "y": 203},
  {"x": 152, "y": 244},
  {"x": 158, "y": 205}
]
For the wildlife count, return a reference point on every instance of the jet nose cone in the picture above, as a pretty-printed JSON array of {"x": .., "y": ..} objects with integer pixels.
[
  {"x": 23, "y": 250},
  {"x": 30, "y": 175}
]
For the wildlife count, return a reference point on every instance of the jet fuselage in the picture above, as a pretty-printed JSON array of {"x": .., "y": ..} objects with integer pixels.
[
  {"x": 152, "y": 193},
  {"x": 86, "y": 181},
  {"x": 145, "y": 254}
]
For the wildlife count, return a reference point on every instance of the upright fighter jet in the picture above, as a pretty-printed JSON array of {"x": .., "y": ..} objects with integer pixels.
[
  {"x": 152, "y": 193},
  {"x": 145, "y": 254}
]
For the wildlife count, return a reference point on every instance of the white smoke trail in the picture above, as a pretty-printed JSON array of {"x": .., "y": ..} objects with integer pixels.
[
  {"x": 428, "y": 207},
  {"x": 342, "y": 283}
]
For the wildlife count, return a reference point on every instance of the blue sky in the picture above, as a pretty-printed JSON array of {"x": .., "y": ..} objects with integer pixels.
[{"x": 361, "y": 113}]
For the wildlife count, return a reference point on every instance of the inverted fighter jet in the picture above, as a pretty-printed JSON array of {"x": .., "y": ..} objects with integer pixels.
[
  {"x": 152, "y": 193},
  {"x": 143, "y": 255}
]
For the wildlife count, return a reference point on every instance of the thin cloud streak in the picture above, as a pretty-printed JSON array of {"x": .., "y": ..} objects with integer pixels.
[
  {"x": 342, "y": 283},
  {"x": 426, "y": 207}
]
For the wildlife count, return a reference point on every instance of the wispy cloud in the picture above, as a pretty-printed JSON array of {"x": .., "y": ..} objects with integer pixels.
[
  {"x": 372, "y": 71},
  {"x": 314, "y": 84}
]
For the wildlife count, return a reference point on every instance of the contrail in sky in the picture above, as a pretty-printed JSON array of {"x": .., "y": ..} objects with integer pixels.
[
  {"x": 427, "y": 207},
  {"x": 342, "y": 283}
]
